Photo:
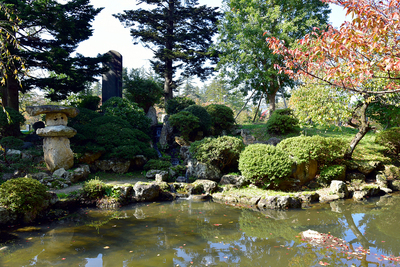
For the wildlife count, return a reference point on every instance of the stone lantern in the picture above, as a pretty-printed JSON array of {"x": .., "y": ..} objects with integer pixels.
[{"x": 56, "y": 146}]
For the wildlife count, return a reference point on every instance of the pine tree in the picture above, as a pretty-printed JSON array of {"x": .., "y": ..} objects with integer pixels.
[{"x": 179, "y": 33}]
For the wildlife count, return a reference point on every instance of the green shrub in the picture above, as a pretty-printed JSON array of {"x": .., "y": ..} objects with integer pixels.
[
  {"x": 24, "y": 196},
  {"x": 185, "y": 122},
  {"x": 264, "y": 165},
  {"x": 129, "y": 111},
  {"x": 90, "y": 102},
  {"x": 390, "y": 139},
  {"x": 322, "y": 149},
  {"x": 84, "y": 117},
  {"x": 9, "y": 120},
  {"x": 221, "y": 118},
  {"x": 334, "y": 172},
  {"x": 157, "y": 164},
  {"x": 201, "y": 113},
  {"x": 11, "y": 142},
  {"x": 222, "y": 152},
  {"x": 177, "y": 104},
  {"x": 282, "y": 121},
  {"x": 94, "y": 189}
]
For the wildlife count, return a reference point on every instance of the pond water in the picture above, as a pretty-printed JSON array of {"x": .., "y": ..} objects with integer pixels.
[{"x": 186, "y": 233}]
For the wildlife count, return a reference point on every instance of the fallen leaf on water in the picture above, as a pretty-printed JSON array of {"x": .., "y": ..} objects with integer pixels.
[
  {"x": 217, "y": 224},
  {"x": 106, "y": 247},
  {"x": 63, "y": 259}
]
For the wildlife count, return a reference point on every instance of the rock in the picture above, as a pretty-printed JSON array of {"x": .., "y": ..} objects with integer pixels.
[
  {"x": 305, "y": 171},
  {"x": 152, "y": 174},
  {"x": 146, "y": 192},
  {"x": 62, "y": 174},
  {"x": 336, "y": 206},
  {"x": 57, "y": 131},
  {"x": 152, "y": 115},
  {"x": 138, "y": 162},
  {"x": 26, "y": 145},
  {"x": 14, "y": 152},
  {"x": 80, "y": 173},
  {"x": 203, "y": 171},
  {"x": 355, "y": 176},
  {"x": 185, "y": 154},
  {"x": 181, "y": 142},
  {"x": 181, "y": 179},
  {"x": 273, "y": 141},
  {"x": 203, "y": 186},
  {"x": 236, "y": 180},
  {"x": 38, "y": 176},
  {"x": 166, "y": 133},
  {"x": 381, "y": 180},
  {"x": 161, "y": 177},
  {"x": 124, "y": 193},
  {"x": 339, "y": 188},
  {"x": 120, "y": 166},
  {"x": 200, "y": 197},
  {"x": 104, "y": 165},
  {"x": 7, "y": 176},
  {"x": 247, "y": 137},
  {"x": 90, "y": 158},
  {"x": 308, "y": 197},
  {"x": 368, "y": 167},
  {"x": 57, "y": 153},
  {"x": 322, "y": 240},
  {"x": 279, "y": 202}
]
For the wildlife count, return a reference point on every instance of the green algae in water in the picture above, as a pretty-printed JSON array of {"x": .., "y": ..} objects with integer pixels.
[{"x": 187, "y": 233}]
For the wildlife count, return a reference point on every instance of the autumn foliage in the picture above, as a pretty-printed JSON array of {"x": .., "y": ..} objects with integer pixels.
[{"x": 364, "y": 50}]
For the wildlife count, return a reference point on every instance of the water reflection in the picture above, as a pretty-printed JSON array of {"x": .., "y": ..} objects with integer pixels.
[{"x": 189, "y": 233}]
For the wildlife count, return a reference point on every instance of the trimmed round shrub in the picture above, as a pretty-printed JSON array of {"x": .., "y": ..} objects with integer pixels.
[
  {"x": 185, "y": 122},
  {"x": 322, "y": 149},
  {"x": 221, "y": 118},
  {"x": 265, "y": 165},
  {"x": 222, "y": 152},
  {"x": 178, "y": 104},
  {"x": 201, "y": 113},
  {"x": 282, "y": 121},
  {"x": 335, "y": 172},
  {"x": 390, "y": 139},
  {"x": 94, "y": 189},
  {"x": 85, "y": 116},
  {"x": 25, "y": 197},
  {"x": 9, "y": 121},
  {"x": 129, "y": 111}
]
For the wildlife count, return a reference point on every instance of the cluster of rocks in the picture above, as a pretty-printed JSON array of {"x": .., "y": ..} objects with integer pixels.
[{"x": 61, "y": 178}]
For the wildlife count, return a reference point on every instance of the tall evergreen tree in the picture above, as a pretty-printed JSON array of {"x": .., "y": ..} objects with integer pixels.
[
  {"x": 179, "y": 33},
  {"x": 246, "y": 59},
  {"x": 48, "y": 33}
]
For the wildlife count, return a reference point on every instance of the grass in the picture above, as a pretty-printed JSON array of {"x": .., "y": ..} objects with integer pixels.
[{"x": 256, "y": 192}]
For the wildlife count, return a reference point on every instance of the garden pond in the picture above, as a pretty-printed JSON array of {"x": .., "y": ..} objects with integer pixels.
[{"x": 189, "y": 233}]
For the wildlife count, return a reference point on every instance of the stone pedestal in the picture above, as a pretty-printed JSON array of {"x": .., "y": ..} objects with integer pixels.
[{"x": 56, "y": 146}]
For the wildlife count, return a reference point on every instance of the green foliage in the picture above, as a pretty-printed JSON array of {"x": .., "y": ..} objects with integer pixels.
[
  {"x": 185, "y": 122},
  {"x": 178, "y": 104},
  {"x": 26, "y": 197},
  {"x": 222, "y": 152},
  {"x": 322, "y": 149},
  {"x": 330, "y": 173},
  {"x": 141, "y": 88},
  {"x": 129, "y": 111},
  {"x": 265, "y": 165},
  {"x": 94, "y": 189},
  {"x": 89, "y": 101},
  {"x": 11, "y": 142},
  {"x": 111, "y": 135},
  {"x": 221, "y": 118},
  {"x": 9, "y": 120},
  {"x": 201, "y": 113},
  {"x": 157, "y": 164},
  {"x": 282, "y": 121},
  {"x": 390, "y": 139}
]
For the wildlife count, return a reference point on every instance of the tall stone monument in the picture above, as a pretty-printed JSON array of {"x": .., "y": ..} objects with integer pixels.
[{"x": 112, "y": 79}]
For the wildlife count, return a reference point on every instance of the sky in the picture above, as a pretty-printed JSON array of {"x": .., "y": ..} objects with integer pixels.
[{"x": 110, "y": 34}]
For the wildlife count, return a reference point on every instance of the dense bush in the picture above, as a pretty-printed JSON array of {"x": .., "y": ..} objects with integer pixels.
[
  {"x": 94, "y": 189},
  {"x": 157, "y": 164},
  {"x": 185, "y": 122},
  {"x": 282, "y": 121},
  {"x": 129, "y": 111},
  {"x": 221, "y": 118},
  {"x": 24, "y": 196},
  {"x": 8, "y": 121},
  {"x": 264, "y": 165},
  {"x": 89, "y": 101},
  {"x": 335, "y": 172},
  {"x": 322, "y": 149},
  {"x": 111, "y": 135},
  {"x": 390, "y": 139},
  {"x": 222, "y": 152},
  {"x": 201, "y": 113},
  {"x": 178, "y": 104}
]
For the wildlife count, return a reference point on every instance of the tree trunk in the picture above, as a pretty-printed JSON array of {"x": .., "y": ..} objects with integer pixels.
[
  {"x": 13, "y": 88},
  {"x": 271, "y": 100},
  {"x": 363, "y": 129},
  {"x": 258, "y": 107},
  {"x": 168, "y": 72}
]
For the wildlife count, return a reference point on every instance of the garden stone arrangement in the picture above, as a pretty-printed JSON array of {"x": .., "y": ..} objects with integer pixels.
[{"x": 56, "y": 145}]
